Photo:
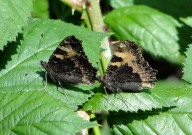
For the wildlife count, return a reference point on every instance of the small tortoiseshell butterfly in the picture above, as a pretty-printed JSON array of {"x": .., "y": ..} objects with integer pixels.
[
  {"x": 69, "y": 64},
  {"x": 128, "y": 70}
]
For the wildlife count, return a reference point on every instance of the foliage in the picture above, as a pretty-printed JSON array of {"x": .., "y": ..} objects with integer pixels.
[
  {"x": 37, "y": 113},
  {"x": 147, "y": 34},
  {"x": 30, "y": 31},
  {"x": 14, "y": 16},
  {"x": 187, "y": 65}
]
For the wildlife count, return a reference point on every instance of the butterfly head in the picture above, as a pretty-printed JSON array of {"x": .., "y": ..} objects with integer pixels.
[{"x": 43, "y": 64}]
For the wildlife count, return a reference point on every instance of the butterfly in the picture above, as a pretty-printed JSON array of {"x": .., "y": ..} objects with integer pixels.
[
  {"x": 69, "y": 64},
  {"x": 127, "y": 70}
]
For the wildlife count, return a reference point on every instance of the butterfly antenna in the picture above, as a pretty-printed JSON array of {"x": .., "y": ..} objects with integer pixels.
[{"x": 63, "y": 89}]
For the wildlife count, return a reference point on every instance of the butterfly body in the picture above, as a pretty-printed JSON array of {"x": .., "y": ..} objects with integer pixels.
[
  {"x": 69, "y": 64},
  {"x": 127, "y": 70}
]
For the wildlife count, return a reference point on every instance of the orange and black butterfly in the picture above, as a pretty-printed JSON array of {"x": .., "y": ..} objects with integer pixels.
[
  {"x": 69, "y": 64},
  {"x": 127, "y": 70}
]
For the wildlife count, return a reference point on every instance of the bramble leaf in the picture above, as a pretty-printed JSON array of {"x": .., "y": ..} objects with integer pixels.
[
  {"x": 132, "y": 102},
  {"x": 37, "y": 113},
  {"x": 155, "y": 31},
  {"x": 187, "y": 70},
  {"x": 39, "y": 40},
  {"x": 167, "y": 121},
  {"x": 14, "y": 16}
]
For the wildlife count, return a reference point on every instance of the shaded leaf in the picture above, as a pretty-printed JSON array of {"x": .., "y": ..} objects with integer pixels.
[
  {"x": 37, "y": 113},
  {"x": 14, "y": 15},
  {"x": 155, "y": 31}
]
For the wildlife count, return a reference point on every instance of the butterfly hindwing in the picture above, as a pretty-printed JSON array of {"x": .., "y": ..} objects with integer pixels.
[
  {"x": 128, "y": 70},
  {"x": 69, "y": 64}
]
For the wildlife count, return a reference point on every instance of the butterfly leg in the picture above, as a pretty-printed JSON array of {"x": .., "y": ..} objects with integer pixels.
[
  {"x": 105, "y": 97},
  {"x": 105, "y": 89},
  {"x": 45, "y": 84},
  {"x": 63, "y": 89}
]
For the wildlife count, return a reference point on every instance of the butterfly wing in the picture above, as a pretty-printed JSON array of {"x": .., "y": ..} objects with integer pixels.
[
  {"x": 128, "y": 70},
  {"x": 69, "y": 64}
]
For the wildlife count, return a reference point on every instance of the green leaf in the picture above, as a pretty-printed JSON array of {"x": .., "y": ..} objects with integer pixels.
[
  {"x": 37, "y": 113},
  {"x": 132, "y": 102},
  {"x": 155, "y": 31},
  {"x": 39, "y": 40},
  {"x": 187, "y": 70},
  {"x": 121, "y": 3},
  {"x": 171, "y": 7},
  {"x": 173, "y": 121},
  {"x": 41, "y": 8},
  {"x": 187, "y": 20},
  {"x": 14, "y": 15}
]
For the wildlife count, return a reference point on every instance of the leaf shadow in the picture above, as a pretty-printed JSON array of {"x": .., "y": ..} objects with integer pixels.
[
  {"x": 184, "y": 34},
  {"x": 9, "y": 50},
  {"x": 121, "y": 117}
]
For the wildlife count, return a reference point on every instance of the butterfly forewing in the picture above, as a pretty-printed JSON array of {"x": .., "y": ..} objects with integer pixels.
[{"x": 69, "y": 64}]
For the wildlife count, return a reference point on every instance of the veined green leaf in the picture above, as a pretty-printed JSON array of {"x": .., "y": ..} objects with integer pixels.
[
  {"x": 132, "y": 102},
  {"x": 39, "y": 40},
  {"x": 171, "y": 7},
  {"x": 173, "y": 121},
  {"x": 14, "y": 15},
  {"x": 37, "y": 113},
  {"x": 156, "y": 32},
  {"x": 187, "y": 70}
]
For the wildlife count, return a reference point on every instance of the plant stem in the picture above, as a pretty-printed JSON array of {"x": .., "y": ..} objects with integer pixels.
[
  {"x": 94, "y": 12},
  {"x": 95, "y": 129}
]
